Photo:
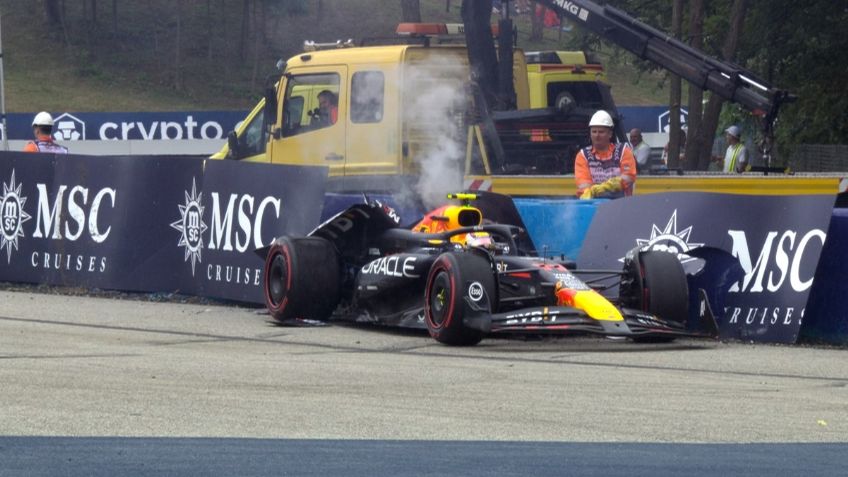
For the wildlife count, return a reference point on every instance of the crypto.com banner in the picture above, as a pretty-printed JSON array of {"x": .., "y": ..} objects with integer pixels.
[
  {"x": 777, "y": 240},
  {"x": 149, "y": 223}
]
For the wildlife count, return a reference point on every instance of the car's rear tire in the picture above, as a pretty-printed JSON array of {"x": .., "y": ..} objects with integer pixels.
[
  {"x": 301, "y": 279},
  {"x": 452, "y": 278}
]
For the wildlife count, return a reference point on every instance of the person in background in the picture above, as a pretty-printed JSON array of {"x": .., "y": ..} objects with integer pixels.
[
  {"x": 328, "y": 107},
  {"x": 736, "y": 156},
  {"x": 604, "y": 169},
  {"x": 42, "y": 129},
  {"x": 641, "y": 151}
]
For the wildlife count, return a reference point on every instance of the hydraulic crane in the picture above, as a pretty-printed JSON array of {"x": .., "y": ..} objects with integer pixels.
[{"x": 730, "y": 81}]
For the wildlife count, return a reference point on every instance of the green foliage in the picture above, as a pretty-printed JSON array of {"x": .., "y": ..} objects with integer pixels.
[{"x": 801, "y": 47}]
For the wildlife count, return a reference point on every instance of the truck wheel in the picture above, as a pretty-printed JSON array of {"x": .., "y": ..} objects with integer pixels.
[
  {"x": 301, "y": 279},
  {"x": 453, "y": 278}
]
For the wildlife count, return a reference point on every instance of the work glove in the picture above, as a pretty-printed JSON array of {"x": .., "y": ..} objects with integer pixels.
[{"x": 607, "y": 187}]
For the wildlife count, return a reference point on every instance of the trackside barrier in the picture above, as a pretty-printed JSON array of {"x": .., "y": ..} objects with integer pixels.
[
  {"x": 773, "y": 250},
  {"x": 165, "y": 224},
  {"x": 827, "y": 316},
  {"x": 149, "y": 223},
  {"x": 777, "y": 240}
]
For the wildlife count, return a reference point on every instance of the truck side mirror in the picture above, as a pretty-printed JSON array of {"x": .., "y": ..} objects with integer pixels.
[
  {"x": 270, "y": 106},
  {"x": 233, "y": 144}
]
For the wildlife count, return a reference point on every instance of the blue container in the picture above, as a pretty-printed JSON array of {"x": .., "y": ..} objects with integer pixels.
[{"x": 557, "y": 226}]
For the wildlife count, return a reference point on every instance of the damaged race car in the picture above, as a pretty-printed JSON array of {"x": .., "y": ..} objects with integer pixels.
[{"x": 463, "y": 278}]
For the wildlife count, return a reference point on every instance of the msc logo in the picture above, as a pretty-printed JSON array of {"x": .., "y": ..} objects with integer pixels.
[
  {"x": 235, "y": 225},
  {"x": 669, "y": 239},
  {"x": 191, "y": 226},
  {"x": 12, "y": 216},
  {"x": 68, "y": 128}
]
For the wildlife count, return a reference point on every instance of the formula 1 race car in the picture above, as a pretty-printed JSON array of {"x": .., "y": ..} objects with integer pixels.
[{"x": 462, "y": 278}]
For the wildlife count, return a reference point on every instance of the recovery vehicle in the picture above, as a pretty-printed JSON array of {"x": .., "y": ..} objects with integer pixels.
[{"x": 408, "y": 110}]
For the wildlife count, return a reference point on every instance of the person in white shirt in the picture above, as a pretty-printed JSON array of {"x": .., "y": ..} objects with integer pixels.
[{"x": 641, "y": 151}]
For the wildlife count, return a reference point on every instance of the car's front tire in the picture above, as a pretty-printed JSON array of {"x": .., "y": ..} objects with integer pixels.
[{"x": 453, "y": 278}]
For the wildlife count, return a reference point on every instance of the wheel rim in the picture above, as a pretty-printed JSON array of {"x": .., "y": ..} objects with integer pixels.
[
  {"x": 277, "y": 280},
  {"x": 440, "y": 299}
]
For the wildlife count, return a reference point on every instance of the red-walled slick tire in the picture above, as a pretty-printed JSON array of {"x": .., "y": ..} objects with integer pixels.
[
  {"x": 301, "y": 279},
  {"x": 453, "y": 278}
]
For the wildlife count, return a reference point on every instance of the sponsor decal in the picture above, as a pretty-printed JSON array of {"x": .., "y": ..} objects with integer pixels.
[
  {"x": 235, "y": 227},
  {"x": 392, "y": 266},
  {"x": 59, "y": 217},
  {"x": 664, "y": 120},
  {"x": 568, "y": 280},
  {"x": 68, "y": 127},
  {"x": 187, "y": 129},
  {"x": 669, "y": 239},
  {"x": 785, "y": 265},
  {"x": 13, "y": 216},
  {"x": 191, "y": 226},
  {"x": 545, "y": 315},
  {"x": 475, "y": 291}
]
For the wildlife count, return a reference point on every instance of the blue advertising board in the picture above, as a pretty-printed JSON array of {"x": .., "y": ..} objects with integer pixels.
[
  {"x": 188, "y": 125},
  {"x": 146, "y": 223},
  {"x": 777, "y": 240},
  {"x": 139, "y": 125}
]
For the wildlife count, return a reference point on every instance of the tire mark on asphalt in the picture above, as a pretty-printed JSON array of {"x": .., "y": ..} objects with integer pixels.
[{"x": 351, "y": 349}]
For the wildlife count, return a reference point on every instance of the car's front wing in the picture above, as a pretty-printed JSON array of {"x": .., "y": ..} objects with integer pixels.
[{"x": 566, "y": 320}]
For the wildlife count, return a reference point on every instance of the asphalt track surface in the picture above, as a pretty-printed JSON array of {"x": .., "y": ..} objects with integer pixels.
[{"x": 100, "y": 386}]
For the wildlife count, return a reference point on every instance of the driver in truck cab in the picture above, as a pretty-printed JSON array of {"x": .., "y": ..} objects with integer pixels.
[
  {"x": 328, "y": 108},
  {"x": 604, "y": 169}
]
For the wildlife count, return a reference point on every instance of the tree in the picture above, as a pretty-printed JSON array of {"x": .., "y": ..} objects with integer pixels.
[
  {"x": 696, "y": 94},
  {"x": 674, "y": 94},
  {"x": 711, "y": 113},
  {"x": 806, "y": 55}
]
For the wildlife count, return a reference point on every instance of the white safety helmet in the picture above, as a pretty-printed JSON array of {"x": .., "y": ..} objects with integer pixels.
[
  {"x": 43, "y": 119},
  {"x": 734, "y": 131},
  {"x": 601, "y": 118}
]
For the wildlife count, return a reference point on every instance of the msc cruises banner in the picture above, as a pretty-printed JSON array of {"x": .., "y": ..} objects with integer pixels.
[
  {"x": 149, "y": 223},
  {"x": 777, "y": 240}
]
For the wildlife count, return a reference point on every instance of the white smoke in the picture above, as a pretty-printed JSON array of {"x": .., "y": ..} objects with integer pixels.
[{"x": 434, "y": 112}]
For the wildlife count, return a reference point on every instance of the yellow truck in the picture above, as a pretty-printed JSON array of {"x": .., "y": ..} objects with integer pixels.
[{"x": 407, "y": 111}]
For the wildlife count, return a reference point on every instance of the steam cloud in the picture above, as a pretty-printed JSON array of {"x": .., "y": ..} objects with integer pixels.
[{"x": 435, "y": 111}]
